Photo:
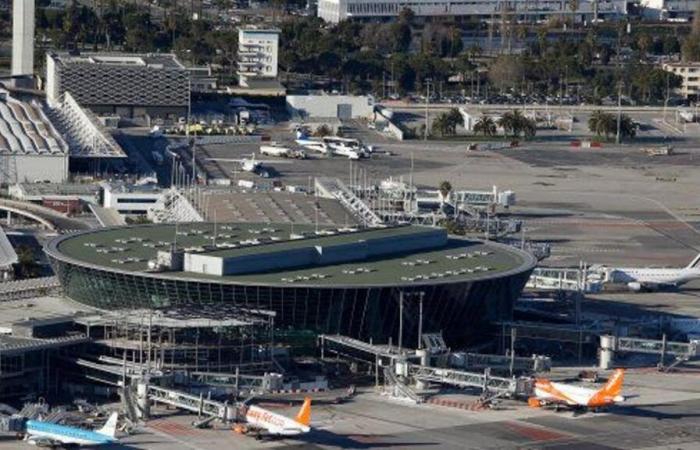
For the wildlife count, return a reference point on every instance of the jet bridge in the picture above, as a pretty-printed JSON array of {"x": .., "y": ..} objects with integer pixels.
[
  {"x": 565, "y": 279},
  {"x": 510, "y": 387},
  {"x": 682, "y": 351},
  {"x": 193, "y": 403}
]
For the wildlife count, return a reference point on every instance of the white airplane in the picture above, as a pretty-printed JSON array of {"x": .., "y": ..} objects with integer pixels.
[
  {"x": 47, "y": 434},
  {"x": 348, "y": 152},
  {"x": 561, "y": 394},
  {"x": 315, "y": 145},
  {"x": 257, "y": 420},
  {"x": 275, "y": 149},
  {"x": 652, "y": 278},
  {"x": 348, "y": 147},
  {"x": 251, "y": 164}
]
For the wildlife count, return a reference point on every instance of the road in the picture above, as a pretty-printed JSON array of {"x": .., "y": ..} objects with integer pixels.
[{"x": 408, "y": 106}]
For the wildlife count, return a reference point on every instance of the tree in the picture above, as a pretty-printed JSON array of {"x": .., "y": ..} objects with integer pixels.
[
  {"x": 514, "y": 123},
  {"x": 323, "y": 130},
  {"x": 446, "y": 123},
  {"x": 445, "y": 188},
  {"x": 26, "y": 262},
  {"x": 486, "y": 126},
  {"x": 440, "y": 125},
  {"x": 691, "y": 46},
  {"x": 628, "y": 128},
  {"x": 602, "y": 123},
  {"x": 644, "y": 43},
  {"x": 507, "y": 72}
]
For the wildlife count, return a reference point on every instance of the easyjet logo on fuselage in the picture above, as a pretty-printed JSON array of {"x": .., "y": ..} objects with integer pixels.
[{"x": 265, "y": 417}]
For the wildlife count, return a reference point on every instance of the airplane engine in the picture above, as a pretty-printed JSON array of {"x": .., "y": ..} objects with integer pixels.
[{"x": 634, "y": 286}]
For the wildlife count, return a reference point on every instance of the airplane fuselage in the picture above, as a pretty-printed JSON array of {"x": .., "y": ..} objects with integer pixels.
[
  {"x": 656, "y": 276},
  {"x": 38, "y": 431},
  {"x": 272, "y": 423}
]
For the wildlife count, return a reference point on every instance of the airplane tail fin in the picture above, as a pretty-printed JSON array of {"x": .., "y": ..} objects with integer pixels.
[
  {"x": 304, "y": 415},
  {"x": 110, "y": 427},
  {"x": 614, "y": 385},
  {"x": 694, "y": 263}
]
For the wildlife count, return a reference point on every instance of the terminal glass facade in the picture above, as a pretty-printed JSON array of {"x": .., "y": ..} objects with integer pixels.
[{"x": 461, "y": 310}]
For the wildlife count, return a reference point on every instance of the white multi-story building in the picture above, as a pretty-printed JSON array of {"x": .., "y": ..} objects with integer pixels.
[
  {"x": 670, "y": 10},
  {"x": 337, "y": 10},
  {"x": 22, "y": 37},
  {"x": 690, "y": 73},
  {"x": 130, "y": 199},
  {"x": 257, "y": 54}
]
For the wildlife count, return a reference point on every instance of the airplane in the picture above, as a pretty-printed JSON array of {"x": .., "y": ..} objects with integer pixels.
[
  {"x": 578, "y": 397},
  {"x": 257, "y": 419},
  {"x": 350, "y": 148},
  {"x": 251, "y": 164},
  {"x": 47, "y": 434},
  {"x": 649, "y": 278},
  {"x": 274, "y": 149},
  {"x": 312, "y": 144}
]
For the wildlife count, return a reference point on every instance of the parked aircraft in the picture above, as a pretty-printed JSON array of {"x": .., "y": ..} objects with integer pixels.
[
  {"x": 653, "y": 278},
  {"x": 313, "y": 144},
  {"x": 560, "y": 394},
  {"x": 351, "y": 148},
  {"x": 49, "y": 434},
  {"x": 257, "y": 420},
  {"x": 251, "y": 164},
  {"x": 274, "y": 149}
]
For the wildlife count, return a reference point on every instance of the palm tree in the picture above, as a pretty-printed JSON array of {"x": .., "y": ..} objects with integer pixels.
[
  {"x": 512, "y": 122},
  {"x": 441, "y": 125},
  {"x": 507, "y": 123},
  {"x": 486, "y": 126},
  {"x": 602, "y": 123},
  {"x": 454, "y": 118},
  {"x": 529, "y": 127},
  {"x": 628, "y": 128},
  {"x": 445, "y": 188}
]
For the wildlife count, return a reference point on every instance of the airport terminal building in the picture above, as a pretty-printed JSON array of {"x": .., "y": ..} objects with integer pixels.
[
  {"x": 335, "y": 11},
  {"x": 131, "y": 86},
  {"x": 344, "y": 281}
]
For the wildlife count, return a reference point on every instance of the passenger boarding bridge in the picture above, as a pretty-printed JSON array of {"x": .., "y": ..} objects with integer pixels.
[{"x": 565, "y": 279}]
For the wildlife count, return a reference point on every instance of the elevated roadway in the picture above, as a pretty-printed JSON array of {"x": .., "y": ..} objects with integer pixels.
[{"x": 51, "y": 219}]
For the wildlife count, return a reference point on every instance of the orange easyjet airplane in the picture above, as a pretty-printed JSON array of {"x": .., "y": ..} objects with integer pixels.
[
  {"x": 257, "y": 419},
  {"x": 550, "y": 393}
]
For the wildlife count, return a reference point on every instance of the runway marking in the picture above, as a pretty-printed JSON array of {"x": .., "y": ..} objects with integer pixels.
[
  {"x": 611, "y": 224},
  {"x": 173, "y": 438},
  {"x": 535, "y": 433},
  {"x": 172, "y": 428}
]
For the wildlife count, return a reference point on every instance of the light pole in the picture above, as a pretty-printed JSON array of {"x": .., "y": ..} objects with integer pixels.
[
  {"x": 420, "y": 319},
  {"x": 619, "y": 112},
  {"x": 400, "y": 321},
  {"x": 427, "y": 104}
]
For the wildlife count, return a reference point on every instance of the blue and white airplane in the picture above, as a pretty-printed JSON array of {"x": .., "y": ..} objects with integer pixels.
[{"x": 41, "y": 433}]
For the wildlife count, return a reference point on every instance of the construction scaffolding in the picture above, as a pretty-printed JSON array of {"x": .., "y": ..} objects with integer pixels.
[{"x": 214, "y": 339}]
